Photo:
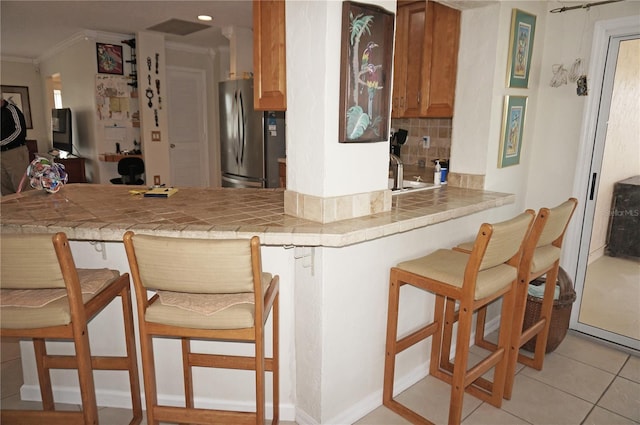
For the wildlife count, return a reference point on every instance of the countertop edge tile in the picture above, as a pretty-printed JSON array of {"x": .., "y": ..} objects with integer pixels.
[{"x": 226, "y": 213}]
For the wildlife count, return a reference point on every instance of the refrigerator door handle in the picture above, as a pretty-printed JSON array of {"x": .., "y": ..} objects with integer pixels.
[
  {"x": 235, "y": 118},
  {"x": 241, "y": 124}
]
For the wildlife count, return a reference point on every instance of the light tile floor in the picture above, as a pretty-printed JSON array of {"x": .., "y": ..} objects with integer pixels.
[{"x": 582, "y": 383}]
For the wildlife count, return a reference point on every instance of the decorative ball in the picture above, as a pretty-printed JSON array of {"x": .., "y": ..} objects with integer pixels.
[{"x": 47, "y": 175}]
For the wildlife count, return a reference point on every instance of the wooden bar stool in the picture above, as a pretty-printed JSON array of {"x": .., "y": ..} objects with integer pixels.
[
  {"x": 540, "y": 256},
  {"x": 44, "y": 297},
  {"x": 475, "y": 280},
  {"x": 206, "y": 290}
]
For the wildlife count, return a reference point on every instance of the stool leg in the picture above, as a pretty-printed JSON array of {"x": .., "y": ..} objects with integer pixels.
[
  {"x": 460, "y": 362},
  {"x": 187, "y": 373},
  {"x": 129, "y": 332},
  {"x": 447, "y": 334},
  {"x": 392, "y": 336},
  {"x": 85, "y": 373},
  {"x": 546, "y": 310},
  {"x": 44, "y": 378},
  {"x": 260, "y": 367},
  {"x": 149, "y": 374},
  {"x": 276, "y": 360},
  {"x": 515, "y": 341}
]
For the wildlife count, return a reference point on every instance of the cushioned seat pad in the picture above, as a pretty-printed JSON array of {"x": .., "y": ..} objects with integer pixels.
[
  {"x": 448, "y": 266},
  {"x": 37, "y": 308}
]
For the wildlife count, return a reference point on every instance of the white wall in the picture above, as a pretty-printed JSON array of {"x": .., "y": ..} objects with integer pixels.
[
  {"x": 76, "y": 65},
  {"x": 321, "y": 166},
  {"x": 481, "y": 90},
  {"x": 21, "y": 73},
  {"x": 560, "y": 111}
]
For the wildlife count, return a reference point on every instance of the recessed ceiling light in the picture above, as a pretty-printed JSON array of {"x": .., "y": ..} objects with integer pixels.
[{"x": 205, "y": 18}]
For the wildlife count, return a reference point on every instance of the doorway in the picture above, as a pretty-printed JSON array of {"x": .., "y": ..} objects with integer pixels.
[
  {"x": 188, "y": 150},
  {"x": 607, "y": 284}
]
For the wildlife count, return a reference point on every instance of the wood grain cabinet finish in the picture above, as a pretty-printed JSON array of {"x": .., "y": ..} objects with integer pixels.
[
  {"x": 269, "y": 55},
  {"x": 425, "y": 60}
]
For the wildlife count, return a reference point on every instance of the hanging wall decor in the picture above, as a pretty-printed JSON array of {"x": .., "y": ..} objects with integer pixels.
[
  {"x": 19, "y": 96},
  {"x": 523, "y": 28},
  {"x": 515, "y": 108},
  {"x": 109, "y": 58},
  {"x": 365, "y": 73}
]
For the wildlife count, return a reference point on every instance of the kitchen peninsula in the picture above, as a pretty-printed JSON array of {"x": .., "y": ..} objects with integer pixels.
[{"x": 334, "y": 284}]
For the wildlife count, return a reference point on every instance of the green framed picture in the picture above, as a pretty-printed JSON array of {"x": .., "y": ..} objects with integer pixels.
[
  {"x": 515, "y": 109},
  {"x": 523, "y": 29}
]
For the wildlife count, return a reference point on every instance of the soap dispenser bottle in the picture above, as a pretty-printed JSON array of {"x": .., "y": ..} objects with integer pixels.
[{"x": 437, "y": 173}]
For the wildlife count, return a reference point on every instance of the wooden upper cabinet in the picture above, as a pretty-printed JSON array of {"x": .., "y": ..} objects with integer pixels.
[
  {"x": 269, "y": 55},
  {"x": 425, "y": 60}
]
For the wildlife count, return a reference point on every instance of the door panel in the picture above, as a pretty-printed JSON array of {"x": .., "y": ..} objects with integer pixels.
[{"x": 187, "y": 128}]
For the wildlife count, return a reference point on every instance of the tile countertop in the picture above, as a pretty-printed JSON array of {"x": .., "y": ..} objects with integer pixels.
[{"x": 105, "y": 212}]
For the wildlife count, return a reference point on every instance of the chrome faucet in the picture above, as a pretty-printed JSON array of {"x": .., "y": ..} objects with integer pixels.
[{"x": 397, "y": 168}]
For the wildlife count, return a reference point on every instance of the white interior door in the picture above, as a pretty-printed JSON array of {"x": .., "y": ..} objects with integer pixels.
[{"x": 188, "y": 149}]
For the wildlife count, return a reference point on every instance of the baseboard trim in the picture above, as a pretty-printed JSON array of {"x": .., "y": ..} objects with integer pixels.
[{"x": 122, "y": 400}]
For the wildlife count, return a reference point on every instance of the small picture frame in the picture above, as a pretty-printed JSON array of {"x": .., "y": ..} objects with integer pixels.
[
  {"x": 109, "y": 58},
  {"x": 513, "y": 120},
  {"x": 19, "y": 95},
  {"x": 523, "y": 28},
  {"x": 365, "y": 73}
]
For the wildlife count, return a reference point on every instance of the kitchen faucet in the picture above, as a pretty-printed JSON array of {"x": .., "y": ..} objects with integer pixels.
[{"x": 397, "y": 168}]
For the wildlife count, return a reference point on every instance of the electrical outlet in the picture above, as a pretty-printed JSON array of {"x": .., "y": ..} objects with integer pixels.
[
  {"x": 156, "y": 180},
  {"x": 426, "y": 142}
]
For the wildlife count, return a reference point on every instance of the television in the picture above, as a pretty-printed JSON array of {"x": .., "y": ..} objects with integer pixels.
[{"x": 62, "y": 126}]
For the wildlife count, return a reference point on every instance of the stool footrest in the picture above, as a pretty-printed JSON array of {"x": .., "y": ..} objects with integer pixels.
[
  {"x": 417, "y": 336},
  {"x": 49, "y": 417},
  {"x": 532, "y": 331},
  {"x": 227, "y": 362},
  {"x": 202, "y": 416}
]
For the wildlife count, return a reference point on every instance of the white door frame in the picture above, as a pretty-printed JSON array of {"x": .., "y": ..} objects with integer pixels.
[
  {"x": 201, "y": 106},
  {"x": 582, "y": 221}
]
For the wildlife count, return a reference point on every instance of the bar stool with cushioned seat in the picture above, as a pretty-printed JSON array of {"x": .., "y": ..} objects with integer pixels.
[
  {"x": 44, "y": 297},
  {"x": 207, "y": 290},
  {"x": 475, "y": 280},
  {"x": 541, "y": 255}
]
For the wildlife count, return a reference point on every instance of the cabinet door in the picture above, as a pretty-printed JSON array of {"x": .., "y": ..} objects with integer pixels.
[
  {"x": 409, "y": 60},
  {"x": 269, "y": 55},
  {"x": 444, "y": 34}
]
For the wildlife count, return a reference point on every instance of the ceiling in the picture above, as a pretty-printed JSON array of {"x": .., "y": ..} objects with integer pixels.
[{"x": 29, "y": 29}]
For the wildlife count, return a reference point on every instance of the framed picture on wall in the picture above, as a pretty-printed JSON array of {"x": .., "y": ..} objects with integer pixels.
[
  {"x": 365, "y": 73},
  {"x": 515, "y": 109},
  {"x": 109, "y": 58},
  {"x": 19, "y": 95},
  {"x": 523, "y": 28}
]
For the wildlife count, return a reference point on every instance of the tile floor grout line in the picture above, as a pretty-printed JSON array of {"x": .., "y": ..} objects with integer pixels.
[{"x": 588, "y": 364}]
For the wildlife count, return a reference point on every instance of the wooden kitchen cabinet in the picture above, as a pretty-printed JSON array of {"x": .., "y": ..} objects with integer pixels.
[
  {"x": 269, "y": 55},
  {"x": 425, "y": 60}
]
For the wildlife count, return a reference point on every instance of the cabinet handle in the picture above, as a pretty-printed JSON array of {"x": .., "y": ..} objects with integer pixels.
[{"x": 418, "y": 98}]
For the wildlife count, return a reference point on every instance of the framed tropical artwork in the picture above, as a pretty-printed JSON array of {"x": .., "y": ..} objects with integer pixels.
[
  {"x": 523, "y": 29},
  {"x": 365, "y": 73},
  {"x": 109, "y": 58},
  {"x": 515, "y": 108}
]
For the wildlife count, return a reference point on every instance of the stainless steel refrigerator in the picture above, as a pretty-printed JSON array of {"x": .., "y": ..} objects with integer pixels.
[{"x": 250, "y": 141}]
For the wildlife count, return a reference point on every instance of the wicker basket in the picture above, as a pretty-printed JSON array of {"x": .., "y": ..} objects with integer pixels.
[{"x": 559, "y": 317}]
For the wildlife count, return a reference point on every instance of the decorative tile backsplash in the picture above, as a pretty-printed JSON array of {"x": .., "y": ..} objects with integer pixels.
[{"x": 439, "y": 131}]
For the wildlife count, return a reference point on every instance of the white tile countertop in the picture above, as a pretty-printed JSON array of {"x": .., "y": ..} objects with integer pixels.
[{"x": 105, "y": 212}]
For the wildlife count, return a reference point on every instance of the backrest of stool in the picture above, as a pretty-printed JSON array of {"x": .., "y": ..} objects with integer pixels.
[
  {"x": 557, "y": 223},
  {"x": 29, "y": 261},
  {"x": 206, "y": 266},
  {"x": 506, "y": 240}
]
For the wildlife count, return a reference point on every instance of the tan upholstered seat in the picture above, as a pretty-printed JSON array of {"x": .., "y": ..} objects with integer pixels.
[
  {"x": 44, "y": 296},
  {"x": 541, "y": 255},
  {"x": 205, "y": 290},
  {"x": 475, "y": 280}
]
